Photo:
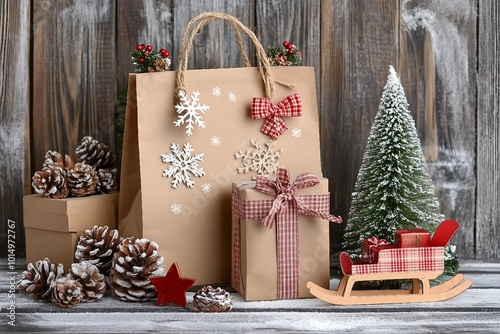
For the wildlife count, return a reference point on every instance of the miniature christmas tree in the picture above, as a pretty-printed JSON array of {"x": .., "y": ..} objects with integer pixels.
[{"x": 393, "y": 189}]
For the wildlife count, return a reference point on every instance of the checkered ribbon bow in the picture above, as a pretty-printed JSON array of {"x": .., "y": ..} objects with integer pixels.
[
  {"x": 274, "y": 125},
  {"x": 285, "y": 210},
  {"x": 375, "y": 242},
  {"x": 286, "y": 196}
]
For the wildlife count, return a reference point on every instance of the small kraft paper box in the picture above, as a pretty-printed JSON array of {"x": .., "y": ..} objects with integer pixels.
[
  {"x": 53, "y": 226},
  {"x": 271, "y": 258},
  {"x": 415, "y": 237}
]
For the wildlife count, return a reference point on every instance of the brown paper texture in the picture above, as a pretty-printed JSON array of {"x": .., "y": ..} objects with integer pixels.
[
  {"x": 258, "y": 261},
  {"x": 53, "y": 226},
  {"x": 198, "y": 237}
]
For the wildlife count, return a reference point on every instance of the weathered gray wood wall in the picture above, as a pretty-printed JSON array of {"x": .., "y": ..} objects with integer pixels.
[
  {"x": 445, "y": 51},
  {"x": 487, "y": 241},
  {"x": 14, "y": 118}
]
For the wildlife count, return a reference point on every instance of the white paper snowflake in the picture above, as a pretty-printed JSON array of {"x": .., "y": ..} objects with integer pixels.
[
  {"x": 262, "y": 159},
  {"x": 189, "y": 111},
  {"x": 215, "y": 140},
  {"x": 183, "y": 164},
  {"x": 206, "y": 187},
  {"x": 176, "y": 209},
  {"x": 296, "y": 132},
  {"x": 231, "y": 96},
  {"x": 216, "y": 91}
]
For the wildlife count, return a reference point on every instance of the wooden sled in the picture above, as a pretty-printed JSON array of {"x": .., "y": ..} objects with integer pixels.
[{"x": 419, "y": 272}]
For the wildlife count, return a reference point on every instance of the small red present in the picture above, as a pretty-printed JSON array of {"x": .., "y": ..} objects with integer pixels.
[
  {"x": 371, "y": 247},
  {"x": 416, "y": 237}
]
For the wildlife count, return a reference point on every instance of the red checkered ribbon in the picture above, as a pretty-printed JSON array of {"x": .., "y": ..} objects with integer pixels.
[
  {"x": 374, "y": 242},
  {"x": 403, "y": 260},
  {"x": 274, "y": 125},
  {"x": 286, "y": 196},
  {"x": 284, "y": 209},
  {"x": 371, "y": 244}
]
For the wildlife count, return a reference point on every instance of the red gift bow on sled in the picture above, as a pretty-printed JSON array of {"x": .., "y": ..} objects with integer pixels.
[
  {"x": 274, "y": 125},
  {"x": 285, "y": 210},
  {"x": 374, "y": 242}
]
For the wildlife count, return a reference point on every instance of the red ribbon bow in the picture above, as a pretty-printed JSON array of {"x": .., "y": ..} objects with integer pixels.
[
  {"x": 286, "y": 196},
  {"x": 375, "y": 242},
  {"x": 274, "y": 125}
]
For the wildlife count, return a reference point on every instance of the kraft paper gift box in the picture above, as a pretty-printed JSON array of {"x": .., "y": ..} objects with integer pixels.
[
  {"x": 415, "y": 237},
  {"x": 53, "y": 226},
  {"x": 257, "y": 250}
]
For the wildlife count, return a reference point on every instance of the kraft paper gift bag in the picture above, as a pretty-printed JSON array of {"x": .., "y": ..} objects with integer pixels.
[{"x": 189, "y": 134}]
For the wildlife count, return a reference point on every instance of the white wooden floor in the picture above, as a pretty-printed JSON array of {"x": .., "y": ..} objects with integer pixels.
[{"x": 477, "y": 310}]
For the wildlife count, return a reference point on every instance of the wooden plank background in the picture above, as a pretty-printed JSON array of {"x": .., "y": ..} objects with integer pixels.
[
  {"x": 14, "y": 116},
  {"x": 488, "y": 131},
  {"x": 72, "y": 57}
]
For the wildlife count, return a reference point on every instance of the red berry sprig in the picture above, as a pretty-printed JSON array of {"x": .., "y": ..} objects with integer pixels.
[
  {"x": 146, "y": 59},
  {"x": 288, "y": 55}
]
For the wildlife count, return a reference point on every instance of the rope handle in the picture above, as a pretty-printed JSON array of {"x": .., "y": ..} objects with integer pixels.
[{"x": 203, "y": 19}]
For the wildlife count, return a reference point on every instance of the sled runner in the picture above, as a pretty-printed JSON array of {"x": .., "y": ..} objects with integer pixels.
[{"x": 418, "y": 264}]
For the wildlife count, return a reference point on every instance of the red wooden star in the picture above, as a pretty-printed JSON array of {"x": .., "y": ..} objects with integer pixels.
[{"x": 172, "y": 287}]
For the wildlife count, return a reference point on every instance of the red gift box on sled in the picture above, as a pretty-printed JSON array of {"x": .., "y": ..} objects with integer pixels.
[{"x": 415, "y": 237}]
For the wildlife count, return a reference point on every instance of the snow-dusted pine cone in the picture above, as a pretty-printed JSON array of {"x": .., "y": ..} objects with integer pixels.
[
  {"x": 92, "y": 281},
  {"x": 280, "y": 60},
  {"x": 67, "y": 292},
  {"x": 53, "y": 158},
  {"x": 94, "y": 153},
  {"x": 135, "y": 261},
  {"x": 159, "y": 65},
  {"x": 69, "y": 162},
  {"x": 39, "y": 278},
  {"x": 108, "y": 181},
  {"x": 98, "y": 245},
  {"x": 82, "y": 180},
  {"x": 208, "y": 299},
  {"x": 51, "y": 182}
]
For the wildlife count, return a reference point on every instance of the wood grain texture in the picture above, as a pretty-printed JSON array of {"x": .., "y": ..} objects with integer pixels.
[
  {"x": 73, "y": 75},
  {"x": 438, "y": 48},
  {"x": 215, "y": 46},
  {"x": 359, "y": 40},
  {"x": 474, "y": 311},
  {"x": 14, "y": 107},
  {"x": 488, "y": 132},
  {"x": 296, "y": 21},
  {"x": 81, "y": 58},
  {"x": 149, "y": 22}
]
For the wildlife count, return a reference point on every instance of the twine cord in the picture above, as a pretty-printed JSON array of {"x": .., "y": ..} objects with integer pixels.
[{"x": 193, "y": 28}]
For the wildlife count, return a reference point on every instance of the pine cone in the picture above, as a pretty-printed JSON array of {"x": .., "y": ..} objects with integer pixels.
[
  {"x": 82, "y": 180},
  {"x": 279, "y": 60},
  {"x": 98, "y": 246},
  {"x": 93, "y": 282},
  {"x": 39, "y": 278},
  {"x": 133, "y": 264},
  {"x": 69, "y": 162},
  {"x": 108, "y": 181},
  {"x": 159, "y": 65},
  {"x": 94, "y": 153},
  {"x": 53, "y": 158},
  {"x": 67, "y": 292},
  {"x": 51, "y": 182},
  {"x": 208, "y": 299}
]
